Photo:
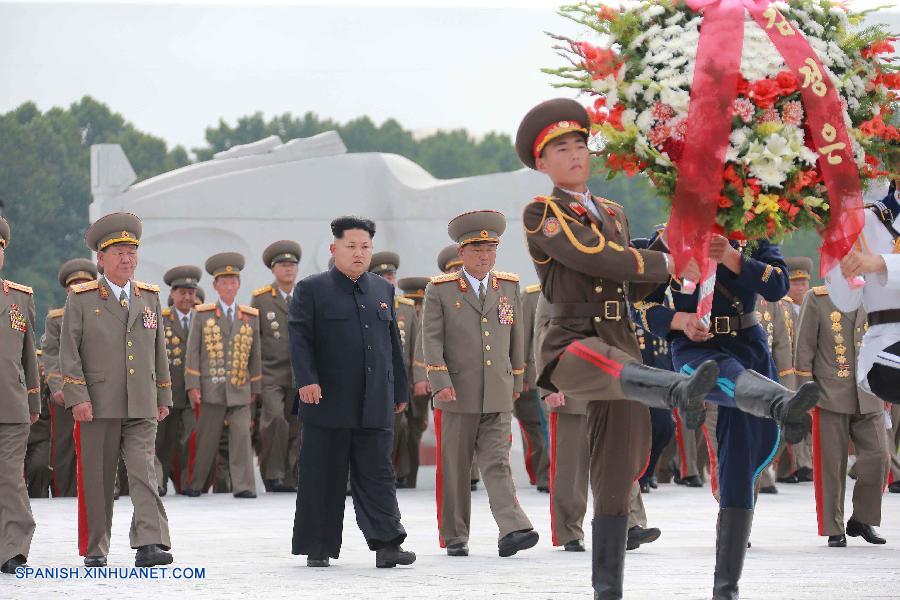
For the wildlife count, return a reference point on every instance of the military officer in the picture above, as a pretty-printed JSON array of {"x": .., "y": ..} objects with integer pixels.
[
  {"x": 413, "y": 289},
  {"x": 37, "y": 455},
  {"x": 116, "y": 383},
  {"x": 20, "y": 381},
  {"x": 828, "y": 343},
  {"x": 527, "y": 409},
  {"x": 385, "y": 264},
  {"x": 279, "y": 427},
  {"x": 581, "y": 250},
  {"x": 473, "y": 342},
  {"x": 223, "y": 376},
  {"x": 62, "y": 446},
  {"x": 174, "y": 450}
]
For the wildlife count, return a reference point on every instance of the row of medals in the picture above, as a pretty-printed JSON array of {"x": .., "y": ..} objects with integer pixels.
[
  {"x": 174, "y": 351},
  {"x": 840, "y": 350},
  {"x": 240, "y": 352}
]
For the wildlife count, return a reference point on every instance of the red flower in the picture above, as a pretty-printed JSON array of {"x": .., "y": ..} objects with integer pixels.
[
  {"x": 882, "y": 47},
  {"x": 659, "y": 134},
  {"x": 787, "y": 81},
  {"x": 599, "y": 62},
  {"x": 630, "y": 164},
  {"x": 731, "y": 176},
  {"x": 743, "y": 86},
  {"x": 770, "y": 226},
  {"x": 738, "y": 236},
  {"x": 754, "y": 185},
  {"x": 802, "y": 180},
  {"x": 597, "y": 114},
  {"x": 607, "y": 13},
  {"x": 874, "y": 127},
  {"x": 615, "y": 116},
  {"x": 674, "y": 148},
  {"x": 764, "y": 93},
  {"x": 725, "y": 202}
]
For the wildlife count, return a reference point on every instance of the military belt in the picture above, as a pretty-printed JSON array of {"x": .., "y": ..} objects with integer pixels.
[
  {"x": 883, "y": 317},
  {"x": 730, "y": 325},
  {"x": 610, "y": 310}
]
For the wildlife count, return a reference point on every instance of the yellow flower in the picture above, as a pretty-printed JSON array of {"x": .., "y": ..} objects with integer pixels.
[
  {"x": 748, "y": 198},
  {"x": 812, "y": 201},
  {"x": 766, "y": 203},
  {"x": 768, "y": 128}
]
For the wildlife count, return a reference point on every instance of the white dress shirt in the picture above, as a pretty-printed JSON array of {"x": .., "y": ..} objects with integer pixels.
[
  {"x": 117, "y": 291},
  {"x": 182, "y": 316},
  {"x": 475, "y": 283},
  {"x": 226, "y": 307}
]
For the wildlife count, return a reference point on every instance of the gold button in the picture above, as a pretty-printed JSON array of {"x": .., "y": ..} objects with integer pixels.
[
  {"x": 487, "y": 347},
  {"x": 130, "y": 343},
  {"x": 131, "y": 371},
  {"x": 596, "y": 319},
  {"x": 131, "y": 357},
  {"x": 487, "y": 362},
  {"x": 598, "y": 289},
  {"x": 487, "y": 333},
  {"x": 484, "y": 319},
  {"x": 618, "y": 290}
]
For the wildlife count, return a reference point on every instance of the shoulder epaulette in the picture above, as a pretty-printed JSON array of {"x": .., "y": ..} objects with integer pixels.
[
  {"x": 787, "y": 299},
  {"x": 445, "y": 278},
  {"x": 605, "y": 201},
  {"x": 167, "y": 312},
  {"x": 506, "y": 276},
  {"x": 248, "y": 310},
  {"x": 56, "y": 313},
  {"x": 264, "y": 290},
  {"x": 406, "y": 301},
  {"x": 531, "y": 289},
  {"x": 205, "y": 307},
  {"x": 17, "y": 286},
  {"x": 146, "y": 286},
  {"x": 820, "y": 290},
  {"x": 86, "y": 286}
]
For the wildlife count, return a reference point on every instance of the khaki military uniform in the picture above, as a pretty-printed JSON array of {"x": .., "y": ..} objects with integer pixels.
[
  {"x": 20, "y": 385},
  {"x": 279, "y": 428},
  {"x": 827, "y": 346},
  {"x": 62, "y": 448},
  {"x": 37, "y": 455},
  {"x": 115, "y": 358},
  {"x": 417, "y": 413},
  {"x": 527, "y": 409},
  {"x": 176, "y": 436},
  {"x": 408, "y": 325},
  {"x": 476, "y": 348},
  {"x": 224, "y": 362}
]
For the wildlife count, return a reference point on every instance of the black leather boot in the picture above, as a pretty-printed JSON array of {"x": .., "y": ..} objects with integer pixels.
[
  {"x": 759, "y": 396},
  {"x": 732, "y": 534},
  {"x": 658, "y": 388},
  {"x": 609, "y": 535}
]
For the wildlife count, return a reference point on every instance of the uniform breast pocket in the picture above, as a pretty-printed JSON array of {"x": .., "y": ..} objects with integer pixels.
[{"x": 384, "y": 314}]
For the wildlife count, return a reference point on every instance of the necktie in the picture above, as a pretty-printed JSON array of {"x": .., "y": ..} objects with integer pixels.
[
  {"x": 230, "y": 317},
  {"x": 481, "y": 292},
  {"x": 185, "y": 323},
  {"x": 288, "y": 299},
  {"x": 123, "y": 300}
]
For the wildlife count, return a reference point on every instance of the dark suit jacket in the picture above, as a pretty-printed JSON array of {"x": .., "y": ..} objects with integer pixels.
[{"x": 344, "y": 337}]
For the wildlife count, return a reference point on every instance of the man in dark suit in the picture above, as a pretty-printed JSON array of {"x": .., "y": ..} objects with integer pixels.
[{"x": 348, "y": 363}]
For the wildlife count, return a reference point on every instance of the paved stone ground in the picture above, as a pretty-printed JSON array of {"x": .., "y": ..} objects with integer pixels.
[{"x": 245, "y": 547}]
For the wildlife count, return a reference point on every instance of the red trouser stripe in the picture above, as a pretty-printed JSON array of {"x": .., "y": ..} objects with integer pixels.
[
  {"x": 192, "y": 445},
  {"x": 713, "y": 466},
  {"x": 529, "y": 454},
  {"x": 82, "y": 508},
  {"x": 554, "y": 417},
  {"x": 679, "y": 441},
  {"x": 607, "y": 365},
  {"x": 439, "y": 483},
  {"x": 817, "y": 468}
]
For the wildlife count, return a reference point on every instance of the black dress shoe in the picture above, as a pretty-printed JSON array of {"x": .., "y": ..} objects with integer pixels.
[
  {"x": 804, "y": 474},
  {"x": 95, "y": 561},
  {"x": 278, "y": 486},
  {"x": 792, "y": 478},
  {"x": 10, "y": 566},
  {"x": 458, "y": 550},
  {"x": 654, "y": 482},
  {"x": 151, "y": 555},
  {"x": 517, "y": 540},
  {"x": 189, "y": 492},
  {"x": 473, "y": 485},
  {"x": 391, "y": 556},
  {"x": 163, "y": 489},
  {"x": 645, "y": 487},
  {"x": 693, "y": 481},
  {"x": 400, "y": 485},
  {"x": 769, "y": 489},
  {"x": 638, "y": 535},
  {"x": 894, "y": 488},
  {"x": 574, "y": 546},
  {"x": 245, "y": 494},
  {"x": 837, "y": 541},
  {"x": 867, "y": 532},
  {"x": 544, "y": 489},
  {"x": 317, "y": 562}
]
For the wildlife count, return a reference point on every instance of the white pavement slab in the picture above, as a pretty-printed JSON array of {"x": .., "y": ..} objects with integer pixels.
[{"x": 245, "y": 545}]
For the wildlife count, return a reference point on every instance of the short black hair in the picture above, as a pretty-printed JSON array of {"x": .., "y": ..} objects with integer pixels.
[{"x": 342, "y": 224}]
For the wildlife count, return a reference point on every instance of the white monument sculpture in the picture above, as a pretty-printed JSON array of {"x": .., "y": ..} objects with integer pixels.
[{"x": 251, "y": 195}]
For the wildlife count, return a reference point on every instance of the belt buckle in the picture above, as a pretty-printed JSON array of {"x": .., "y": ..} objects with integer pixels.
[
  {"x": 612, "y": 314},
  {"x": 721, "y": 330}
]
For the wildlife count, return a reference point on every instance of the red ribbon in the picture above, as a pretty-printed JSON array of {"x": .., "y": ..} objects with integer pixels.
[{"x": 713, "y": 91}]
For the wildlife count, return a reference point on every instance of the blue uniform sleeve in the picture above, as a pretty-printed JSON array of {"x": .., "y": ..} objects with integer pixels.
[
  {"x": 652, "y": 313},
  {"x": 302, "y": 330},
  {"x": 401, "y": 383},
  {"x": 764, "y": 272}
]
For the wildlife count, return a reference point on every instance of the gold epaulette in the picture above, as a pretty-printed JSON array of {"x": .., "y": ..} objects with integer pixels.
[
  {"x": 248, "y": 310},
  {"x": 17, "y": 286},
  {"x": 406, "y": 301},
  {"x": 506, "y": 276},
  {"x": 445, "y": 278},
  {"x": 56, "y": 313},
  {"x": 787, "y": 299},
  {"x": 820, "y": 290},
  {"x": 167, "y": 312},
  {"x": 268, "y": 289},
  {"x": 146, "y": 286},
  {"x": 531, "y": 289},
  {"x": 605, "y": 201},
  {"x": 87, "y": 286},
  {"x": 205, "y": 307}
]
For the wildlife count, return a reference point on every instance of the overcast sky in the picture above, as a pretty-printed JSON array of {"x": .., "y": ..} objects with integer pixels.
[{"x": 174, "y": 68}]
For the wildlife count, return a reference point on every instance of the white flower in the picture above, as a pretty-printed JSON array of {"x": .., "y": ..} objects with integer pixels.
[
  {"x": 739, "y": 137},
  {"x": 604, "y": 85},
  {"x": 677, "y": 99},
  {"x": 642, "y": 148},
  {"x": 628, "y": 117},
  {"x": 632, "y": 91},
  {"x": 644, "y": 120},
  {"x": 654, "y": 10}
]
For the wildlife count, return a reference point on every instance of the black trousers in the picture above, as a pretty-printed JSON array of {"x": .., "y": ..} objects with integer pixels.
[
  {"x": 326, "y": 454},
  {"x": 884, "y": 380},
  {"x": 662, "y": 428}
]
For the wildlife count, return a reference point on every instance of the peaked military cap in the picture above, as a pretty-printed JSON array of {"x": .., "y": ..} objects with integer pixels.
[
  {"x": 183, "y": 276},
  {"x": 477, "y": 226},
  {"x": 281, "y": 251},
  {"x": 225, "y": 263},
  {"x": 384, "y": 262},
  {"x": 75, "y": 270},
  {"x": 547, "y": 121},
  {"x": 115, "y": 228}
]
